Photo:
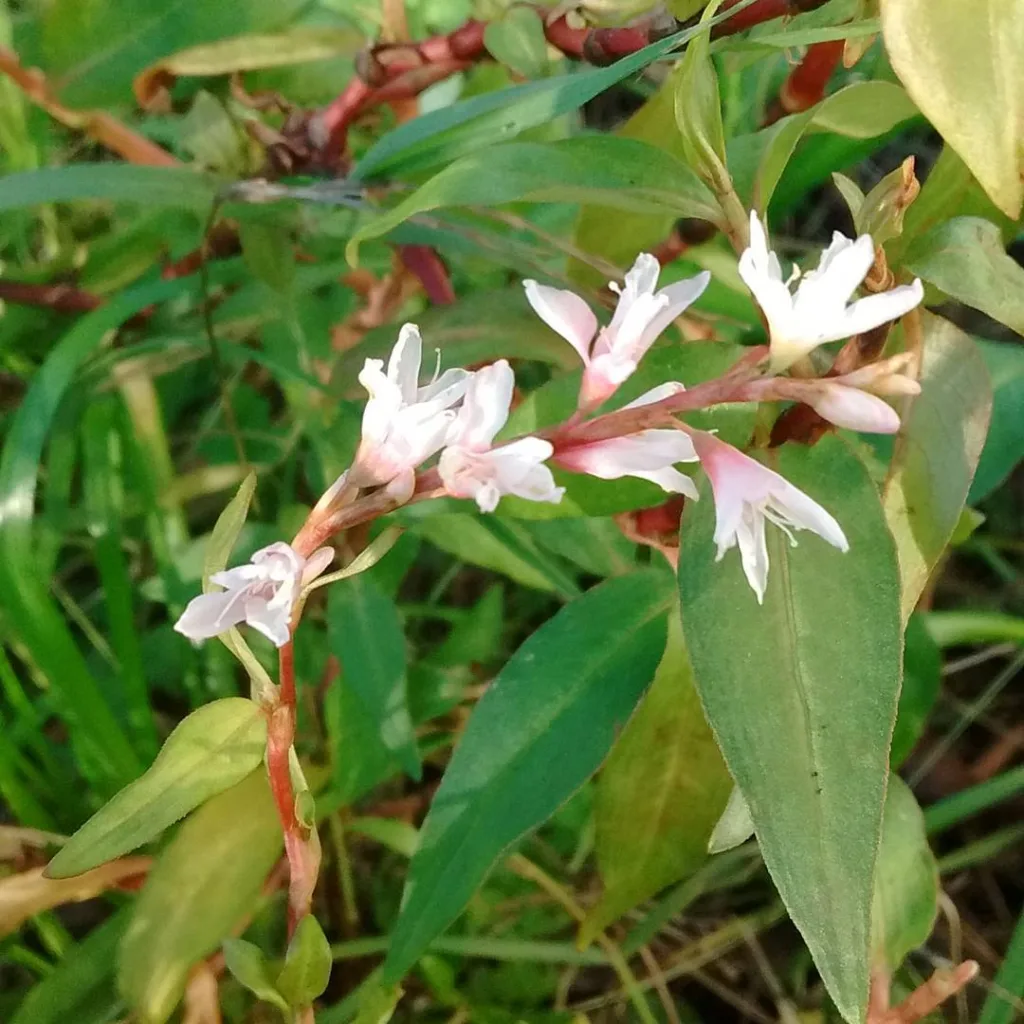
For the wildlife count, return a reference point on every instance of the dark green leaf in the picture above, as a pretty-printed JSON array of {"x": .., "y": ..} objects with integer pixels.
[
  {"x": 210, "y": 751},
  {"x": 936, "y": 452},
  {"x": 307, "y": 966},
  {"x": 801, "y": 694},
  {"x": 1004, "y": 446},
  {"x": 659, "y": 795},
  {"x": 206, "y": 881},
  {"x": 906, "y": 880},
  {"x": 536, "y": 735},
  {"x": 922, "y": 678},
  {"x": 366, "y": 636}
]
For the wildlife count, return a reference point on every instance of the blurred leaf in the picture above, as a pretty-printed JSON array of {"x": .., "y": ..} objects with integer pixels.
[
  {"x": 906, "y": 896},
  {"x": 125, "y": 183},
  {"x": 307, "y": 965},
  {"x": 659, "y": 795},
  {"x": 245, "y": 53},
  {"x": 78, "y": 980},
  {"x": 963, "y": 64},
  {"x": 267, "y": 251},
  {"x": 936, "y": 452},
  {"x": 516, "y": 39},
  {"x": 477, "y": 637},
  {"x": 377, "y": 1002},
  {"x": 473, "y": 124},
  {"x": 734, "y": 827},
  {"x": 366, "y": 636},
  {"x": 537, "y": 734},
  {"x": 618, "y": 172},
  {"x": 248, "y": 966},
  {"x": 213, "y": 139},
  {"x": 862, "y": 110},
  {"x": 206, "y": 881},
  {"x": 965, "y": 257},
  {"x": 499, "y": 544},
  {"x": 596, "y": 545},
  {"x": 802, "y": 700},
  {"x": 1008, "y": 987},
  {"x": 922, "y": 679},
  {"x": 93, "y": 50},
  {"x": 23, "y": 894},
  {"x": 1004, "y": 446},
  {"x": 208, "y": 752}
]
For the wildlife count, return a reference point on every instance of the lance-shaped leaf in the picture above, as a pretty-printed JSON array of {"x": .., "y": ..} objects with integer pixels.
[
  {"x": 801, "y": 694},
  {"x": 541, "y": 729},
  {"x": 936, "y": 452},
  {"x": 211, "y": 750}
]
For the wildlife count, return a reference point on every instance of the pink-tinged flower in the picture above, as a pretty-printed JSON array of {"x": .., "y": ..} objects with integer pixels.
[
  {"x": 261, "y": 593},
  {"x": 611, "y": 354},
  {"x": 403, "y": 423},
  {"x": 471, "y": 468},
  {"x": 820, "y": 310},
  {"x": 648, "y": 454},
  {"x": 746, "y": 495},
  {"x": 850, "y": 401}
]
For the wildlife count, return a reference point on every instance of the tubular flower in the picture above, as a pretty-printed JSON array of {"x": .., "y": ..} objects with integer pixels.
[
  {"x": 261, "y": 593},
  {"x": 820, "y": 310},
  {"x": 851, "y": 401},
  {"x": 647, "y": 454},
  {"x": 403, "y": 424},
  {"x": 747, "y": 495},
  {"x": 471, "y": 468},
  {"x": 611, "y": 354}
]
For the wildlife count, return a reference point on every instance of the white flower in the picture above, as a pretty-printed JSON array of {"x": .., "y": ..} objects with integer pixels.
[
  {"x": 261, "y": 593},
  {"x": 640, "y": 316},
  {"x": 647, "y": 454},
  {"x": 818, "y": 312},
  {"x": 747, "y": 494},
  {"x": 848, "y": 401},
  {"x": 403, "y": 423},
  {"x": 471, "y": 468}
]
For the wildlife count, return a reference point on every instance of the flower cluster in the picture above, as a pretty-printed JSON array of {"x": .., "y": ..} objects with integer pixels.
[{"x": 458, "y": 415}]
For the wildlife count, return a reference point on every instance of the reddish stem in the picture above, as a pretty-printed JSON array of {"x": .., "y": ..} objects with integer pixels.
[{"x": 807, "y": 82}]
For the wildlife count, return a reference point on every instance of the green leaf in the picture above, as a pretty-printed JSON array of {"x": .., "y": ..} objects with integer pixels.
[
  {"x": 307, "y": 965},
  {"x": 597, "y": 546},
  {"x": 124, "y": 183},
  {"x": 936, "y": 452},
  {"x": 1004, "y": 446},
  {"x": 906, "y": 896},
  {"x": 862, "y": 110},
  {"x": 659, "y": 795},
  {"x": 248, "y": 966},
  {"x": 963, "y": 65},
  {"x": 211, "y": 750},
  {"x": 206, "y": 881},
  {"x": 965, "y": 258},
  {"x": 734, "y": 827},
  {"x": 536, "y": 735},
  {"x": 622, "y": 173},
  {"x": 801, "y": 694},
  {"x": 366, "y": 636},
  {"x": 93, "y": 50},
  {"x": 516, "y": 39},
  {"x": 502, "y": 545},
  {"x": 474, "y": 124},
  {"x": 922, "y": 679}
]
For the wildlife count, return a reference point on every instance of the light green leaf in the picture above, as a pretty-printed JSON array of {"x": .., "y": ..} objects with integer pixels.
[
  {"x": 248, "y": 966},
  {"x": 307, "y": 965},
  {"x": 206, "y": 881},
  {"x": 1004, "y": 446},
  {"x": 734, "y": 827},
  {"x": 965, "y": 257},
  {"x": 801, "y": 694},
  {"x": 906, "y": 880},
  {"x": 963, "y": 64},
  {"x": 516, "y": 39},
  {"x": 366, "y": 636},
  {"x": 210, "y": 751},
  {"x": 537, "y": 734},
  {"x": 660, "y": 794},
  {"x": 622, "y": 173},
  {"x": 922, "y": 679},
  {"x": 936, "y": 452}
]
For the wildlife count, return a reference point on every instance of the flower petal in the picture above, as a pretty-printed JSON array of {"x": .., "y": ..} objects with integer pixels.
[
  {"x": 404, "y": 364},
  {"x": 875, "y": 310},
  {"x": 843, "y": 265},
  {"x": 754, "y": 553},
  {"x": 662, "y": 391},
  {"x": 565, "y": 313},
  {"x": 316, "y": 563},
  {"x": 273, "y": 622},
  {"x": 640, "y": 454},
  {"x": 641, "y": 279},
  {"x": 853, "y": 409},
  {"x": 484, "y": 408},
  {"x": 804, "y": 513},
  {"x": 681, "y": 295},
  {"x": 759, "y": 269},
  {"x": 209, "y": 614}
]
